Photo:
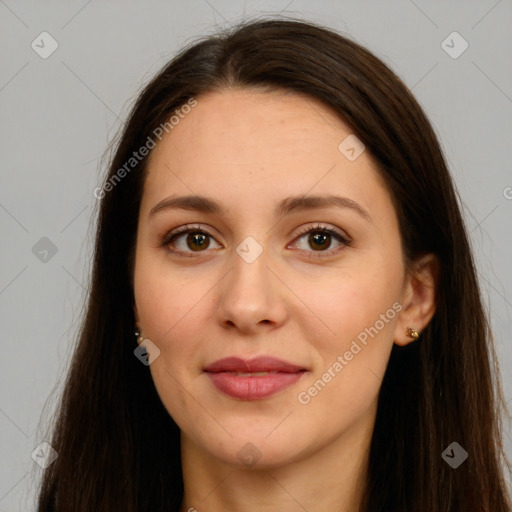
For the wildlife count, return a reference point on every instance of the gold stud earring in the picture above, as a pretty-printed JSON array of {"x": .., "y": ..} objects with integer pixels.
[
  {"x": 412, "y": 333},
  {"x": 139, "y": 336}
]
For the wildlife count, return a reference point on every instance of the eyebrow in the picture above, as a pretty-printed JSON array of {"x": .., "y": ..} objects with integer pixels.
[{"x": 285, "y": 207}]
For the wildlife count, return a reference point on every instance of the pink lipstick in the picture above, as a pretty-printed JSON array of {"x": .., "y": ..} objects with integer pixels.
[{"x": 253, "y": 379}]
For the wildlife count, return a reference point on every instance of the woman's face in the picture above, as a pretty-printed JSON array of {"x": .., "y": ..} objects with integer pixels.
[{"x": 259, "y": 277}]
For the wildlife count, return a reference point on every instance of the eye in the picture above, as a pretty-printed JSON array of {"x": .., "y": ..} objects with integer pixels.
[
  {"x": 196, "y": 240},
  {"x": 321, "y": 238}
]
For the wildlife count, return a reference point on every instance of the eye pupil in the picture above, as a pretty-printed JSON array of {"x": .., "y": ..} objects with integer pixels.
[
  {"x": 196, "y": 241},
  {"x": 320, "y": 239}
]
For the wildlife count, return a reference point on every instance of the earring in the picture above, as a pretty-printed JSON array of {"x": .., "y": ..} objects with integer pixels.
[
  {"x": 139, "y": 336},
  {"x": 412, "y": 333}
]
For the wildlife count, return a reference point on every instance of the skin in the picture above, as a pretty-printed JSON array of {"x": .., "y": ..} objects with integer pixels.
[{"x": 298, "y": 301}]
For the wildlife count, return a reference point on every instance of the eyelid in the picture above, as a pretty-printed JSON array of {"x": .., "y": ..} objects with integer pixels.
[{"x": 319, "y": 226}]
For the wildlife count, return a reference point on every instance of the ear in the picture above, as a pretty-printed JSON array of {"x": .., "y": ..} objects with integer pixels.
[{"x": 418, "y": 298}]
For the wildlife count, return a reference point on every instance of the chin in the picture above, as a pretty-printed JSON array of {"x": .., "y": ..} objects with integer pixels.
[{"x": 257, "y": 452}]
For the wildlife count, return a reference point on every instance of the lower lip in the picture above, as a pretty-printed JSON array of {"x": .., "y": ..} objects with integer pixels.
[{"x": 252, "y": 388}]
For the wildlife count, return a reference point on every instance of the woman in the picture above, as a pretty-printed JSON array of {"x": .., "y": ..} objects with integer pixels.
[{"x": 284, "y": 312}]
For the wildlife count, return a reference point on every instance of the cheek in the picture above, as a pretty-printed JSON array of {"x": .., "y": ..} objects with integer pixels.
[
  {"x": 348, "y": 303},
  {"x": 357, "y": 312},
  {"x": 172, "y": 315},
  {"x": 351, "y": 361},
  {"x": 176, "y": 313}
]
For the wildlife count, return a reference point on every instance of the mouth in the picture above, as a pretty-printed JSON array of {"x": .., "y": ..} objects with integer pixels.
[{"x": 253, "y": 379}]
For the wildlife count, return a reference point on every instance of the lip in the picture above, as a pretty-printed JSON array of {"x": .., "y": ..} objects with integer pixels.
[
  {"x": 256, "y": 364},
  {"x": 282, "y": 374}
]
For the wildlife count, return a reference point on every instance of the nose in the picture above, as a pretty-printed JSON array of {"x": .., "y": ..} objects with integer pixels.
[{"x": 251, "y": 297}]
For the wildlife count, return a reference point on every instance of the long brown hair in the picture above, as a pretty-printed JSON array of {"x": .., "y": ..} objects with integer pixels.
[{"x": 119, "y": 449}]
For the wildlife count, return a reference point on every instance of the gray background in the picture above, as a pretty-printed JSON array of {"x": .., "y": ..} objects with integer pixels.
[{"x": 58, "y": 114}]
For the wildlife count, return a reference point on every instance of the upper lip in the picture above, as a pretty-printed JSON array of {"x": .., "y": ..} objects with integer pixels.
[{"x": 256, "y": 364}]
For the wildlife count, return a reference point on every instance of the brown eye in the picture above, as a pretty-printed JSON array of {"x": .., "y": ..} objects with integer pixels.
[
  {"x": 319, "y": 240},
  {"x": 188, "y": 240},
  {"x": 197, "y": 241}
]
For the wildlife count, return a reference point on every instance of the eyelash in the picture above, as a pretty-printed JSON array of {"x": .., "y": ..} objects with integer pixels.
[{"x": 171, "y": 237}]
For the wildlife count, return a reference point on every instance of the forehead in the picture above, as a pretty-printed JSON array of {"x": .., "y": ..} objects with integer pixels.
[
  {"x": 237, "y": 121},
  {"x": 259, "y": 146}
]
